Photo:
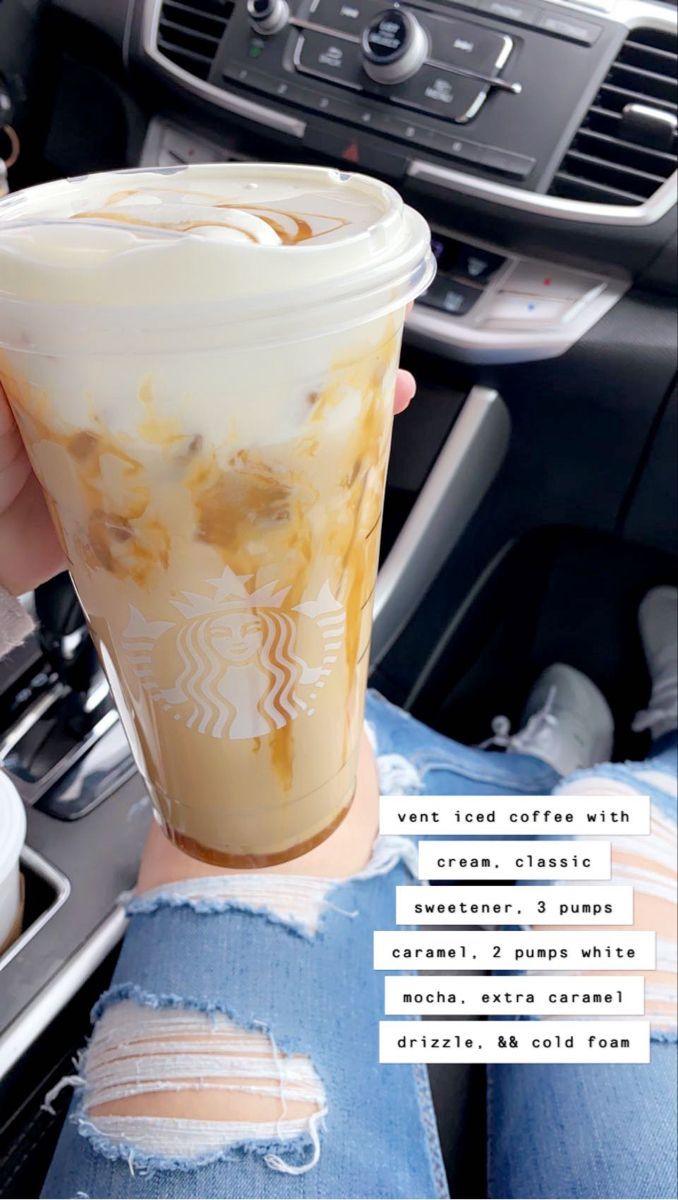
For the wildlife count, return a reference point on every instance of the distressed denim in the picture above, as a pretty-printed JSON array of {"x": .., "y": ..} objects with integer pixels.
[
  {"x": 414, "y": 758},
  {"x": 315, "y": 993},
  {"x": 594, "y": 1131},
  {"x": 262, "y": 964}
]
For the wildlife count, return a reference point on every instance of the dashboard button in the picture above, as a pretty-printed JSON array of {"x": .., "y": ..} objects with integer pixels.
[
  {"x": 394, "y": 45},
  {"x": 268, "y": 16},
  {"x": 441, "y": 93},
  {"x": 424, "y": 136},
  {"x": 554, "y": 283},
  {"x": 446, "y": 143},
  {"x": 346, "y": 16},
  {"x": 408, "y": 131},
  {"x": 330, "y": 104},
  {"x": 371, "y": 119},
  {"x": 285, "y": 89},
  {"x": 574, "y": 31},
  {"x": 451, "y": 297},
  {"x": 472, "y": 262},
  {"x": 329, "y": 58},
  {"x": 282, "y": 88},
  {"x": 517, "y": 165},
  {"x": 474, "y": 48},
  {"x": 525, "y": 310},
  {"x": 353, "y": 146},
  {"x": 244, "y": 74},
  {"x": 362, "y": 115},
  {"x": 511, "y": 10}
]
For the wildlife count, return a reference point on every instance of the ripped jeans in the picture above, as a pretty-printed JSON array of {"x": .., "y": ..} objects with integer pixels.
[{"x": 263, "y": 985}]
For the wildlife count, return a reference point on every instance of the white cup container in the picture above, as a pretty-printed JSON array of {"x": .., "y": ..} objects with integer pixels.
[{"x": 12, "y": 837}]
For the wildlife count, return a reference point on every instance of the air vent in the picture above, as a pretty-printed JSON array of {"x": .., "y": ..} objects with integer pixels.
[
  {"x": 626, "y": 146},
  {"x": 189, "y": 32}
]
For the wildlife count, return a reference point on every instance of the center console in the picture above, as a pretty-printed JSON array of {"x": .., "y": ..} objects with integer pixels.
[
  {"x": 458, "y": 85},
  {"x": 533, "y": 134}
]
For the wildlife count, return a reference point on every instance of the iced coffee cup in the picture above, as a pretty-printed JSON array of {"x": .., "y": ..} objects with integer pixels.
[{"x": 202, "y": 365}]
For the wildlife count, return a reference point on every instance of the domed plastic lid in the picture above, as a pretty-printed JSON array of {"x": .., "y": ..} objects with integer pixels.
[{"x": 204, "y": 255}]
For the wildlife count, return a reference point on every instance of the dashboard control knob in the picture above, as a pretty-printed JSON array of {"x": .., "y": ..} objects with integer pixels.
[
  {"x": 268, "y": 16},
  {"x": 394, "y": 46}
]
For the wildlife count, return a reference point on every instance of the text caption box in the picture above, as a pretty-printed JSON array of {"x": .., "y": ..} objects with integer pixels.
[
  {"x": 595, "y": 904},
  {"x": 501, "y": 950},
  {"x": 514, "y": 815},
  {"x": 561, "y": 860},
  {"x": 535, "y": 1041},
  {"x": 524, "y": 995}
]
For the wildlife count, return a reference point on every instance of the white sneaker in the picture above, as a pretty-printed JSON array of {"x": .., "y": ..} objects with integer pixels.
[
  {"x": 567, "y": 722},
  {"x": 657, "y": 620}
]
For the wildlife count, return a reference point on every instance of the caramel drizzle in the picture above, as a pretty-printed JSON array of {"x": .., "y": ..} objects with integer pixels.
[
  {"x": 177, "y": 226},
  {"x": 222, "y": 501},
  {"x": 302, "y": 232}
]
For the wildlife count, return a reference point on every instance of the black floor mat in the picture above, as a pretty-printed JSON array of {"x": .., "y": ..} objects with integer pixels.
[{"x": 558, "y": 595}]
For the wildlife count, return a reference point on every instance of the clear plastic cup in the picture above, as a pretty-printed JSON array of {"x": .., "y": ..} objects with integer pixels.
[
  {"x": 12, "y": 837},
  {"x": 209, "y": 416}
]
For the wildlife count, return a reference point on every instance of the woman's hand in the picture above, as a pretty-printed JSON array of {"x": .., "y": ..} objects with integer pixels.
[
  {"x": 30, "y": 551},
  {"x": 405, "y": 388}
]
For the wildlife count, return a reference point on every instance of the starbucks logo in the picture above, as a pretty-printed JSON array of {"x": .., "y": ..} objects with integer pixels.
[{"x": 240, "y": 672}]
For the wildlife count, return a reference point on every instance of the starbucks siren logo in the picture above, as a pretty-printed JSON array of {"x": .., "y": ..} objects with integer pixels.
[{"x": 240, "y": 673}]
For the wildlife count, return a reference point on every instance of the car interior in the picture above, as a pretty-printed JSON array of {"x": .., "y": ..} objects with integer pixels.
[{"x": 531, "y": 494}]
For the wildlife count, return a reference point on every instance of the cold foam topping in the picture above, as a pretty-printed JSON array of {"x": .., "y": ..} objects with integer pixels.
[{"x": 187, "y": 236}]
